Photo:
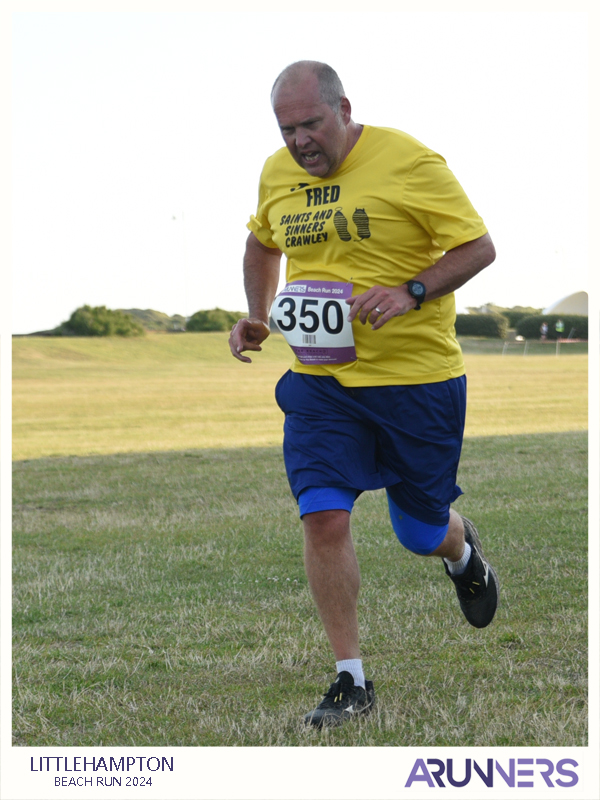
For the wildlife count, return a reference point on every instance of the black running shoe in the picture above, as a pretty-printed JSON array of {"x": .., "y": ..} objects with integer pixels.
[
  {"x": 477, "y": 588},
  {"x": 343, "y": 701}
]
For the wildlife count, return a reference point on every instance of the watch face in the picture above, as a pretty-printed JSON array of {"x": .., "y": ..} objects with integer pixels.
[{"x": 417, "y": 288}]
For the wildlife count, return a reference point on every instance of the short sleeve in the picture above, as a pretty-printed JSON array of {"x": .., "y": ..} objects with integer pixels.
[
  {"x": 259, "y": 223},
  {"x": 434, "y": 198}
]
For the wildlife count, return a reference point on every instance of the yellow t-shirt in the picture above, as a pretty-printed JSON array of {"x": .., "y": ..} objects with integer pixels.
[{"x": 391, "y": 210}]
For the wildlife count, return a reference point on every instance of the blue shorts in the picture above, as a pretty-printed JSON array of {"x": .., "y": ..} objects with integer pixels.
[{"x": 406, "y": 439}]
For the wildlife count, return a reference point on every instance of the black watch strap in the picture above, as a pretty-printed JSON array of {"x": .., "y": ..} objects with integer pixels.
[{"x": 417, "y": 290}]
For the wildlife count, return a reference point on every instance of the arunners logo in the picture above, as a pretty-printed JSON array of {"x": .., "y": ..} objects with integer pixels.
[
  {"x": 300, "y": 186},
  {"x": 508, "y": 773}
]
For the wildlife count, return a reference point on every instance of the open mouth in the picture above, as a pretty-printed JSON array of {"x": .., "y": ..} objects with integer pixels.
[{"x": 310, "y": 158}]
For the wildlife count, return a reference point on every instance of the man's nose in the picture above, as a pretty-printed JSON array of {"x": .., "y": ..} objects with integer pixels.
[{"x": 302, "y": 138}]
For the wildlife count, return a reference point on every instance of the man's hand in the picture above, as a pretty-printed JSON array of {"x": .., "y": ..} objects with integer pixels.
[
  {"x": 247, "y": 334},
  {"x": 379, "y": 304}
]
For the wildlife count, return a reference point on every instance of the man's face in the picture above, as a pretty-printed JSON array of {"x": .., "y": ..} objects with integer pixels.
[{"x": 317, "y": 137}]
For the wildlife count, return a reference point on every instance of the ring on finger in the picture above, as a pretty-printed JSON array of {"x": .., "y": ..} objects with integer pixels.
[{"x": 378, "y": 310}]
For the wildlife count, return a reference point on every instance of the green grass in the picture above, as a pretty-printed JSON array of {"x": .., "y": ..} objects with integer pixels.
[
  {"x": 159, "y": 589},
  {"x": 172, "y": 392},
  {"x": 160, "y": 599}
]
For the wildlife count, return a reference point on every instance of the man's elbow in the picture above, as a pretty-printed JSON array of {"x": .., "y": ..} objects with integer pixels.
[
  {"x": 253, "y": 243},
  {"x": 488, "y": 254}
]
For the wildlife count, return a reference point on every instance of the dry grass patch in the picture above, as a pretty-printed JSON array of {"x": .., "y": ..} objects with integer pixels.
[
  {"x": 160, "y": 599},
  {"x": 176, "y": 392}
]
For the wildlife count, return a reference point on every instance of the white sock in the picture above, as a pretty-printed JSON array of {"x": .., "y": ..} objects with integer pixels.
[
  {"x": 354, "y": 667},
  {"x": 458, "y": 567}
]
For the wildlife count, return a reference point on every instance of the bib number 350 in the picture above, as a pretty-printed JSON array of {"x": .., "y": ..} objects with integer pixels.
[
  {"x": 307, "y": 316},
  {"x": 313, "y": 317}
]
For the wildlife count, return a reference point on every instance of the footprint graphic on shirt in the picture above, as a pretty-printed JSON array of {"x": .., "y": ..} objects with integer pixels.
[
  {"x": 341, "y": 225},
  {"x": 361, "y": 220}
]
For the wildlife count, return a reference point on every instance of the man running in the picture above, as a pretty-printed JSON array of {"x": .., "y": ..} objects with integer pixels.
[{"x": 378, "y": 234}]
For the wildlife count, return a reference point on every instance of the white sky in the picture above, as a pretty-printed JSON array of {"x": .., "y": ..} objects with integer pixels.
[{"x": 123, "y": 121}]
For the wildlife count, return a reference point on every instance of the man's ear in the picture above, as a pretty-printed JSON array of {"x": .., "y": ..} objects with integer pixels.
[{"x": 345, "y": 110}]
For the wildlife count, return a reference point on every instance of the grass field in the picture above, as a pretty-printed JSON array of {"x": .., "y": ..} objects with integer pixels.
[
  {"x": 101, "y": 396},
  {"x": 160, "y": 596},
  {"x": 160, "y": 599}
]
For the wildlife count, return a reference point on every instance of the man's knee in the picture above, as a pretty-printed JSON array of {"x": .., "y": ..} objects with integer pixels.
[{"x": 326, "y": 527}]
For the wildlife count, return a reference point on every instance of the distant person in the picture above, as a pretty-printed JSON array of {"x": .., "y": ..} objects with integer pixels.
[
  {"x": 559, "y": 327},
  {"x": 544, "y": 331},
  {"x": 378, "y": 234}
]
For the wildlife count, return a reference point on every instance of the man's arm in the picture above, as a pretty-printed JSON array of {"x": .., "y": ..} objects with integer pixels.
[
  {"x": 261, "y": 277},
  {"x": 453, "y": 270}
]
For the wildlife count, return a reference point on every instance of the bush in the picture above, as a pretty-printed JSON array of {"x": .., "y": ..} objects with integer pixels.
[
  {"x": 494, "y": 326},
  {"x": 576, "y": 326},
  {"x": 214, "y": 320},
  {"x": 512, "y": 314},
  {"x": 152, "y": 320},
  {"x": 514, "y": 317},
  {"x": 99, "y": 321}
]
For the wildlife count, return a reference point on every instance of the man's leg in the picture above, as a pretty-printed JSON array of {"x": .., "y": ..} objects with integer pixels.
[
  {"x": 459, "y": 546},
  {"x": 453, "y": 546},
  {"x": 334, "y": 578}
]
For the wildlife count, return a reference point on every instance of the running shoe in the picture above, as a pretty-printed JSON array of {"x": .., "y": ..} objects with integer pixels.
[
  {"x": 477, "y": 588},
  {"x": 342, "y": 702}
]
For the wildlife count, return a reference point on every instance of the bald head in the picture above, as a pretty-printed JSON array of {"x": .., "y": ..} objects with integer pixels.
[
  {"x": 330, "y": 86},
  {"x": 314, "y": 117}
]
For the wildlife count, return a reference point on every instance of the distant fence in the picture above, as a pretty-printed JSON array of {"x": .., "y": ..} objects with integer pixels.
[{"x": 531, "y": 346}]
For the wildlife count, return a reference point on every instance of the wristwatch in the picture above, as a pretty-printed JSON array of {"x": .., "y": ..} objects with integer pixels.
[{"x": 417, "y": 290}]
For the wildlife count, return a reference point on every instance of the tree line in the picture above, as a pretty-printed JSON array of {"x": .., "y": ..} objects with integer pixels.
[
  {"x": 101, "y": 321},
  {"x": 494, "y": 322}
]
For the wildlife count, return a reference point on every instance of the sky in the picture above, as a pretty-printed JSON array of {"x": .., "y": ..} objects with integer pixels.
[{"x": 138, "y": 139}]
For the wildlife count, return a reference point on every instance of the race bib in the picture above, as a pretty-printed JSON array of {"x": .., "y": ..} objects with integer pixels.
[{"x": 313, "y": 317}]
